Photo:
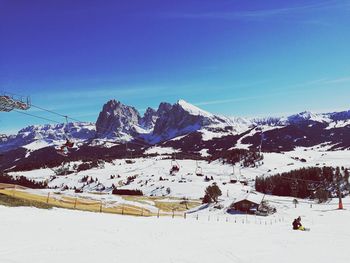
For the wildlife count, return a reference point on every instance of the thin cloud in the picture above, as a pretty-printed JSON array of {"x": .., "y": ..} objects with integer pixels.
[
  {"x": 290, "y": 89},
  {"x": 217, "y": 102},
  {"x": 338, "y": 81},
  {"x": 264, "y": 13}
]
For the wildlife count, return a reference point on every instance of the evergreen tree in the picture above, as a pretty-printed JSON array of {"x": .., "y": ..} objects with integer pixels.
[{"x": 212, "y": 193}]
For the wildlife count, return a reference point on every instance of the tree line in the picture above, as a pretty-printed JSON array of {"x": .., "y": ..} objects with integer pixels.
[
  {"x": 21, "y": 180},
  {"x": 312, "y": 182}
]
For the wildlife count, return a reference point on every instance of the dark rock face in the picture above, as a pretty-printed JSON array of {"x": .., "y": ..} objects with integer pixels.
[
  {"x": 149, "y": 119},
  {"x": 116, "y": 120},
  {"x": 178, "y": 119}
]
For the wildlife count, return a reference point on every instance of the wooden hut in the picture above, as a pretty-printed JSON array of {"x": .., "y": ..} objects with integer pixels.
[{"x": 248, "y": 203}]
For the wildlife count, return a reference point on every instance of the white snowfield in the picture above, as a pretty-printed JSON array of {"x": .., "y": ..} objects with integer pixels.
[
  {"x": 59, "y": 235},
  {"x": 186, "y": 183}
]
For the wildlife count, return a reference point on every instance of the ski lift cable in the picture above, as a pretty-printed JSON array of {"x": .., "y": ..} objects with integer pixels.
[
  {"x": 56, "y": 113},
  {"x": 39, "y": 117}
]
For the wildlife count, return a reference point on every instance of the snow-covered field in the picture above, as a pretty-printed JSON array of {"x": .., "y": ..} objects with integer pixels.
[
  {"x": 59, "y": 235},
  {"x": 186, "y": 183},
  {"x": 206, "y": 235}
]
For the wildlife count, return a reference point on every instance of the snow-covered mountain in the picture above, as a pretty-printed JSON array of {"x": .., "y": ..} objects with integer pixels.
[
  {"x": 183, "y": 118},
  {"x": 39, "y": 136},
  {"x": 185, "y": 127},
  {"x": 305, "y": 116},
  {"x": 117, "y": 121},
  {"x": 122, "y": 123}
]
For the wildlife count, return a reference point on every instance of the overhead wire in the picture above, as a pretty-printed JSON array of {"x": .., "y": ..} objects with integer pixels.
[
  {"x": 35, "y": 116},
  {"x": 56, "y": 113}
]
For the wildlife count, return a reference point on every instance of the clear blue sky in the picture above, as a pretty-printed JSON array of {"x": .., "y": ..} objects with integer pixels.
[{"x": 232, "y": 57}]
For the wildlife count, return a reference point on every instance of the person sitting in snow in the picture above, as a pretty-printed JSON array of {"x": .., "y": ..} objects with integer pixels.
[{"x": 297, "y": 224}]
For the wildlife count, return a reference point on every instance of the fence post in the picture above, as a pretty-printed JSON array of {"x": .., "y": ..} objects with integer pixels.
[
  {"x": 184, "y": 215},
  {"x": 48, "y": 197},
  {"x": 75, "y": 203},
  {"x": 197, "y": 216},
  {"x": 142, "y": 212},
  {"x": 173, "y": 213},
  {"x": 101, "y": 207},
  {"x": 158, "y": 213},
  {"x": 122, "y": 209}
]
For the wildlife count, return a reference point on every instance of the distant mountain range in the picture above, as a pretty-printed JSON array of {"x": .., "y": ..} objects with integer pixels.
[{"x": 183, "y": 127}]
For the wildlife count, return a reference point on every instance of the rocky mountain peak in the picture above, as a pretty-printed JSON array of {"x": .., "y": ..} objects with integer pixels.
[
  {"x": 163, "y": 108},
  {"x": 179, "y": 119},
  {"x": 149, "y": 119},
  {"x": 117, "y": 120}
]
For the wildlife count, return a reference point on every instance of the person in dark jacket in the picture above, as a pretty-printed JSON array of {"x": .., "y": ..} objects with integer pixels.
[{"x": 297, "y": 224}]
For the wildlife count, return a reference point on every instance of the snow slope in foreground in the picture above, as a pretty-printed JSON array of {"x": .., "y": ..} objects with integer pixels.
[{"x": 56, "y": 236}]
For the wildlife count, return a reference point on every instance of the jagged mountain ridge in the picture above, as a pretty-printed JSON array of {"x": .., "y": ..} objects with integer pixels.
[
  {"x": 176, "y": 125},
  {"x": 124, "y": 123},
  {"x": 49, "y": 134}
]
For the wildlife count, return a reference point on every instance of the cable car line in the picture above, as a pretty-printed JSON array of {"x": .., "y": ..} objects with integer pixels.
[{"x": 35, "y": 116}]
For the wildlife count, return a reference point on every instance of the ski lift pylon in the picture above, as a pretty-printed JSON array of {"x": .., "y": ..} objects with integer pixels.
[
  {"x": 242, "y": 179},
  {"x": 199, "y": 170},
  {"x": 175, "y": 167},
  {"x": 233, "y": 177}
]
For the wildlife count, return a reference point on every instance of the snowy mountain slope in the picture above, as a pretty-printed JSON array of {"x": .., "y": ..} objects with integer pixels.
[{"x": 36, "y": 137}]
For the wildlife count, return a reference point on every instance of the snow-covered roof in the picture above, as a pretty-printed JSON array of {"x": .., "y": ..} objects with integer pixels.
[{"x": 252, "y": 197}]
